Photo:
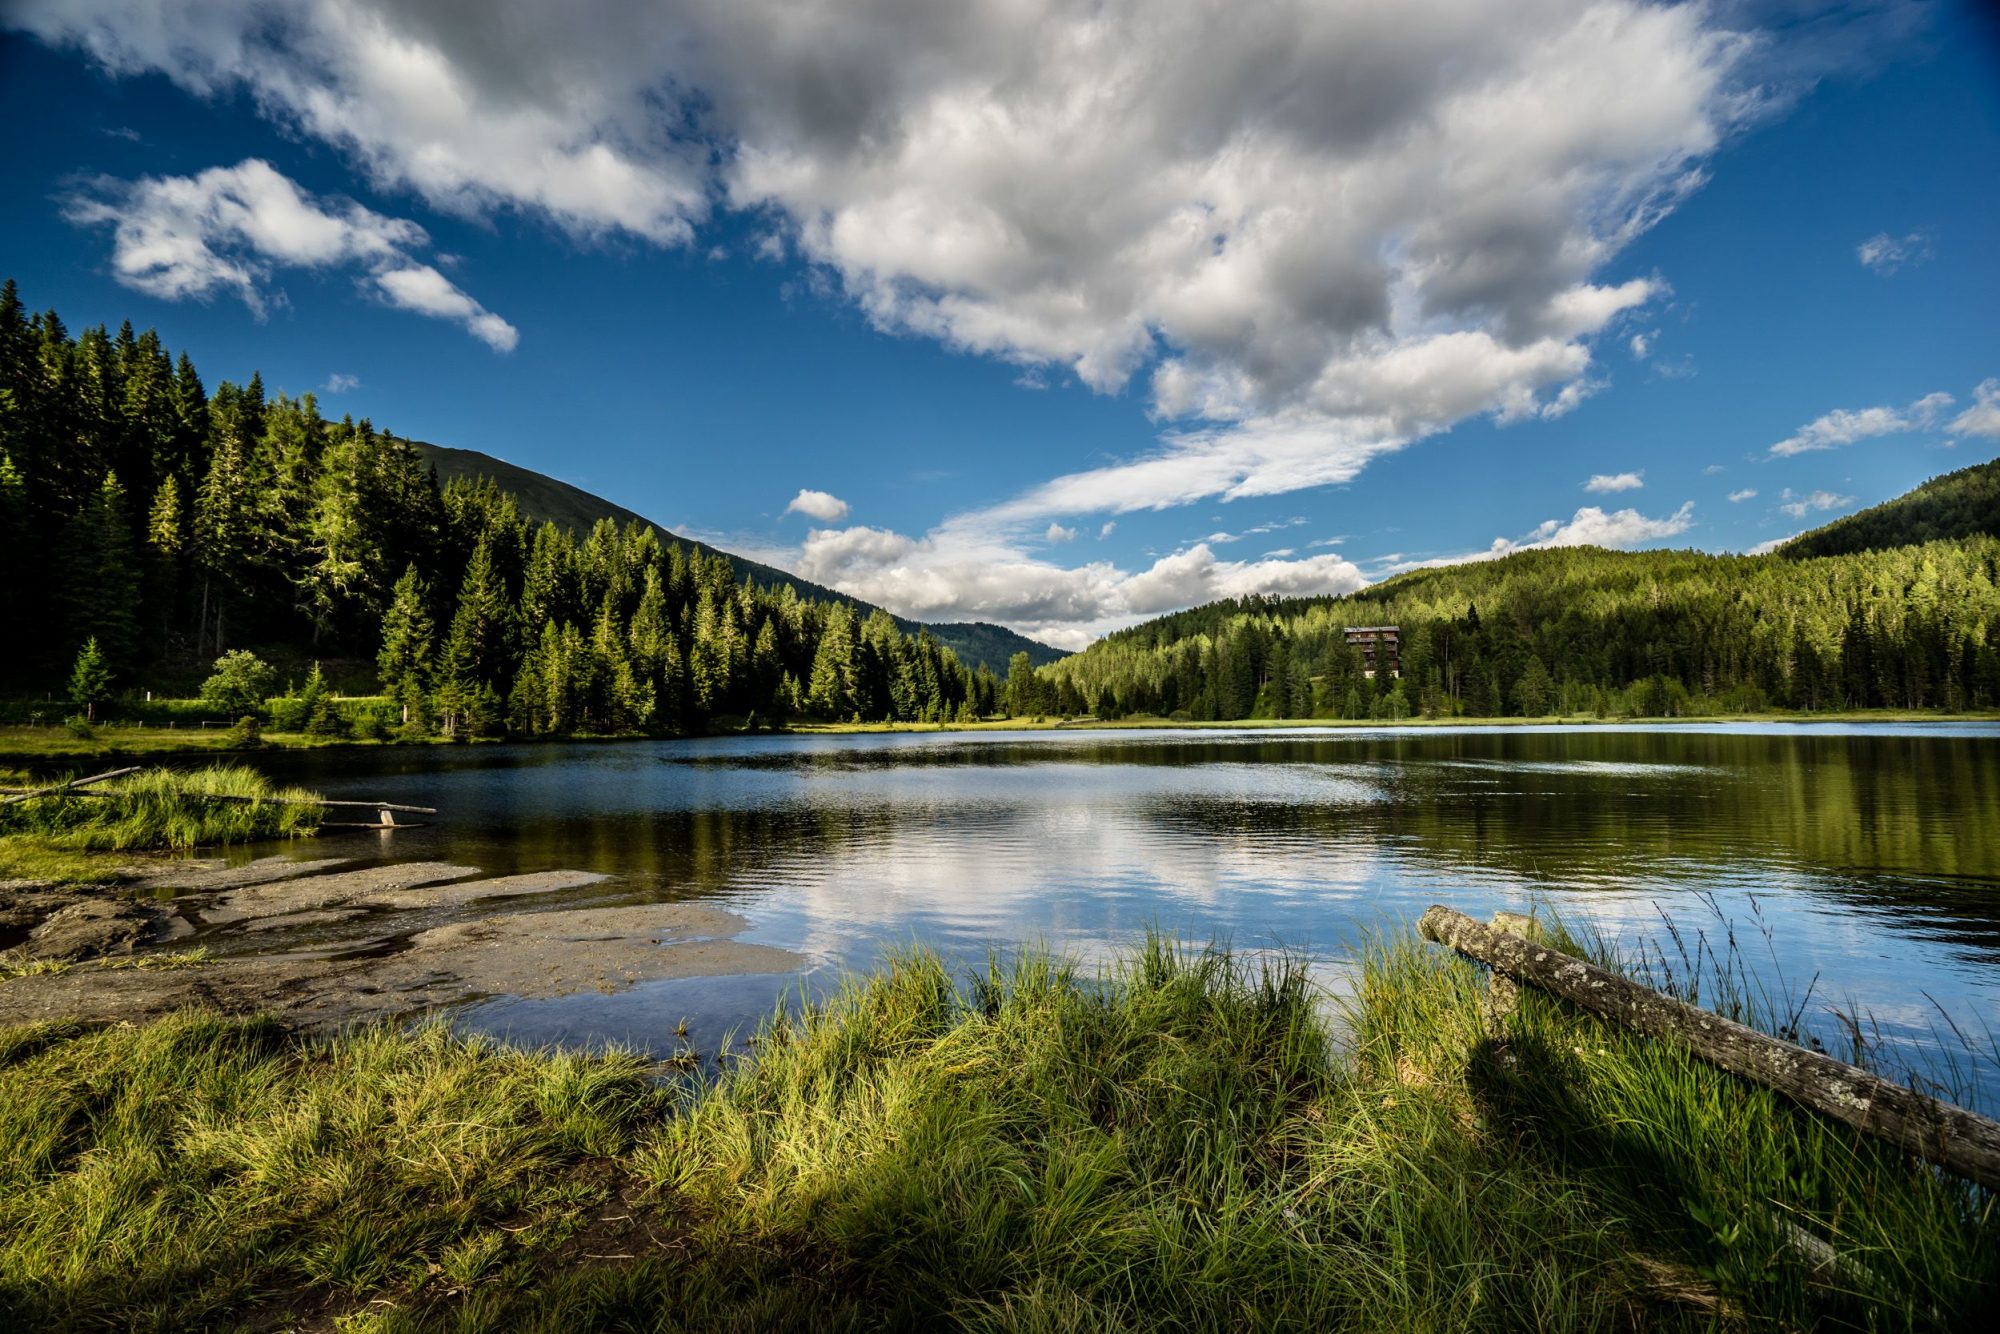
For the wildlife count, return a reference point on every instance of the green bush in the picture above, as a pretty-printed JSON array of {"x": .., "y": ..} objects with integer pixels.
[
  {"x": 239, "y": 685},
  {"x": 79, "y": 727}
]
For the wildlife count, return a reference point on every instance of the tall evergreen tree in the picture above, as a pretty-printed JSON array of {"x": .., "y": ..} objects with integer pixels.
[
  {"x": 408, "y": 646},
  {"x": 101, "y": 577}
]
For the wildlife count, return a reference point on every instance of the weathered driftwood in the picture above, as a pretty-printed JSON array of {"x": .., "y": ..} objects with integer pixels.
[
  {"x": 58, "y": 789},
  {"x": 379, "y": 806},
  {"x": 1949, "y": 1136},
  {"x": 222, "y": 796}
]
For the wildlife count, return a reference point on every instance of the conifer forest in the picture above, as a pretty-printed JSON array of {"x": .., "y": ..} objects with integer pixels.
[
  {"x": 150, "y": 520},
  {"x": 187, "y": 522}
]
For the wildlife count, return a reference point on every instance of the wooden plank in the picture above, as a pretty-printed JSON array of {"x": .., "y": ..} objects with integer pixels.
[
  {"x": 1961, "y": 1141},
  {"x": 380, "y": 806}
]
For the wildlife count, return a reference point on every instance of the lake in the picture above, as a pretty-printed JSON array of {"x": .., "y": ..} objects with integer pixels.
[{"x": 1860, "y": 860}]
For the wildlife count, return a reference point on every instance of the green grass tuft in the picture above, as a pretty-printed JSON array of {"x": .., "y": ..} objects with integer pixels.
[
  {"x": 161, "y": 808},
  {"x": 1191, "y": 1140}
]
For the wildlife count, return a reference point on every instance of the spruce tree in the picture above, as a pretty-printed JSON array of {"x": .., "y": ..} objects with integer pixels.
[
  {"x": 101, "y": 577},
  {"x": 476, "y": 651},
  {"x": 408, "y": 645},
  {"x": 89, "y": 680},
  {"x": 829, "y": 688}
]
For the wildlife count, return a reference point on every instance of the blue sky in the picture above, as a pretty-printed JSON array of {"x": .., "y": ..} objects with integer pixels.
[{"x": 1063, "y": 322}]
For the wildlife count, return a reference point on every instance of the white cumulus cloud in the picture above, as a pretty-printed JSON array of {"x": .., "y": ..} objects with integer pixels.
[
  {"x": 821, "y": 505},
  {"x": 228, "y": 228},
  {"x": 1603, "y": 483},
  {"x": 1618, "y": 530},
  {"x": 963, "y": 572},
  {"x": 1315, "y": 232},
  {"x": 1983, "y": 417},
  {"x": 1058, "y": 533},
  {"x": 1738, "y": 497}
]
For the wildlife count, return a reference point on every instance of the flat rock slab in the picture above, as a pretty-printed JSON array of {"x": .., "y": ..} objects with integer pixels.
[
  {"x": 212, "y": 875},
  {"x": 95, "y": 926},
  {"x": 600, "y": 949},
  {"x": 471, "y": 891},
  {"x": 552, "y": 953},
  {"x": 337, "y": 888}
]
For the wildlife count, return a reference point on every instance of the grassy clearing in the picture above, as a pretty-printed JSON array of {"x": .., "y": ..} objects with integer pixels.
[
  {"x": 159, "y": 808},
  {"x": 1179, "y": 1144}
]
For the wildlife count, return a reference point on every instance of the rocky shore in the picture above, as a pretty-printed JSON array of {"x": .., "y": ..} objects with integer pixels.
[{"x": 324, "y": 942}]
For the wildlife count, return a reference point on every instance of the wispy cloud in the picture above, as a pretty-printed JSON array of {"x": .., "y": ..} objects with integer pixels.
[
  {"x": 340, "y": 382},
  {"x": 1798, "y": 506},
  {"x": 1844, "y": 426},
  {"x": 1605, "y": 483},
  {"x": 1885, "y": 253},
  {"x": 1738, "y": 497}
]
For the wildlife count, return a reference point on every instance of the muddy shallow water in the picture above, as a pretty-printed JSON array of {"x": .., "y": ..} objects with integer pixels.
[{"x": 1865, "y": 857}]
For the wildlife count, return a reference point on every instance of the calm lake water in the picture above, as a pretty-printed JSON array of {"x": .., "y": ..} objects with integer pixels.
[{"x": 1867, "y": 857}]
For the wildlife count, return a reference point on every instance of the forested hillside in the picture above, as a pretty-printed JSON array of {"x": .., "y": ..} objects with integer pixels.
[
  {"x": 1580, "y": 630},
  {"x": 544, "y": 499},
  {"x": 142, "y": 513},
  {"x": 1965, "y": 503}
]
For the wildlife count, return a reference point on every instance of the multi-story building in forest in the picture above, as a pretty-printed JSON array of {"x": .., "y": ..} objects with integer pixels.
[{"x": 1381, "y": 648}]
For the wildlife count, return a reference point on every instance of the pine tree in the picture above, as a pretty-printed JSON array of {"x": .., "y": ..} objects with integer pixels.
[
  {"x": 829, "y": 689},
  {"x": 476, "y": 651},
  {"x": 89, "y": 680},
  {"x": 1535, "y": 692},
  {"x": 408, "y": 644},
  {"x": 222, "y": 524},
  {"x": 101, "y": 583}
]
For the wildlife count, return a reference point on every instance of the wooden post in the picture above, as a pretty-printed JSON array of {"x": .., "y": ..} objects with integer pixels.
[{"x": 1949, "y": 1136}]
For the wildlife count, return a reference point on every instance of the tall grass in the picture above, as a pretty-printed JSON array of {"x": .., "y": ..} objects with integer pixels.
[
  {"x": 1188, "y": 1141},
  {"x": 166, "y": 808}
]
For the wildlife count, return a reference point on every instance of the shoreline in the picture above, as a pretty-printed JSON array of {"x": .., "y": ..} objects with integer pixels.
[{"x": 33, "y": 745}]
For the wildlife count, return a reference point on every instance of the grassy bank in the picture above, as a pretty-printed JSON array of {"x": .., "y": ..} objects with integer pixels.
[
  {"x": 52, "y": 838},
  {"x": 1180, "y": 1144}
]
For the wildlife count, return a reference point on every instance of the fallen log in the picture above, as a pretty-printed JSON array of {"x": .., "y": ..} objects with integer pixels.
[
  {"x": 1961, "y": 1141},
  {"x": 223, "y": 796},
  {"x": 59, "y": 789}
]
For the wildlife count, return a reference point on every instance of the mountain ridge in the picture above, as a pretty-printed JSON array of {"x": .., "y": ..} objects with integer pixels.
[
  {"x": 550, "y": 499},
  {"x": 1964, "y": 503}
]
